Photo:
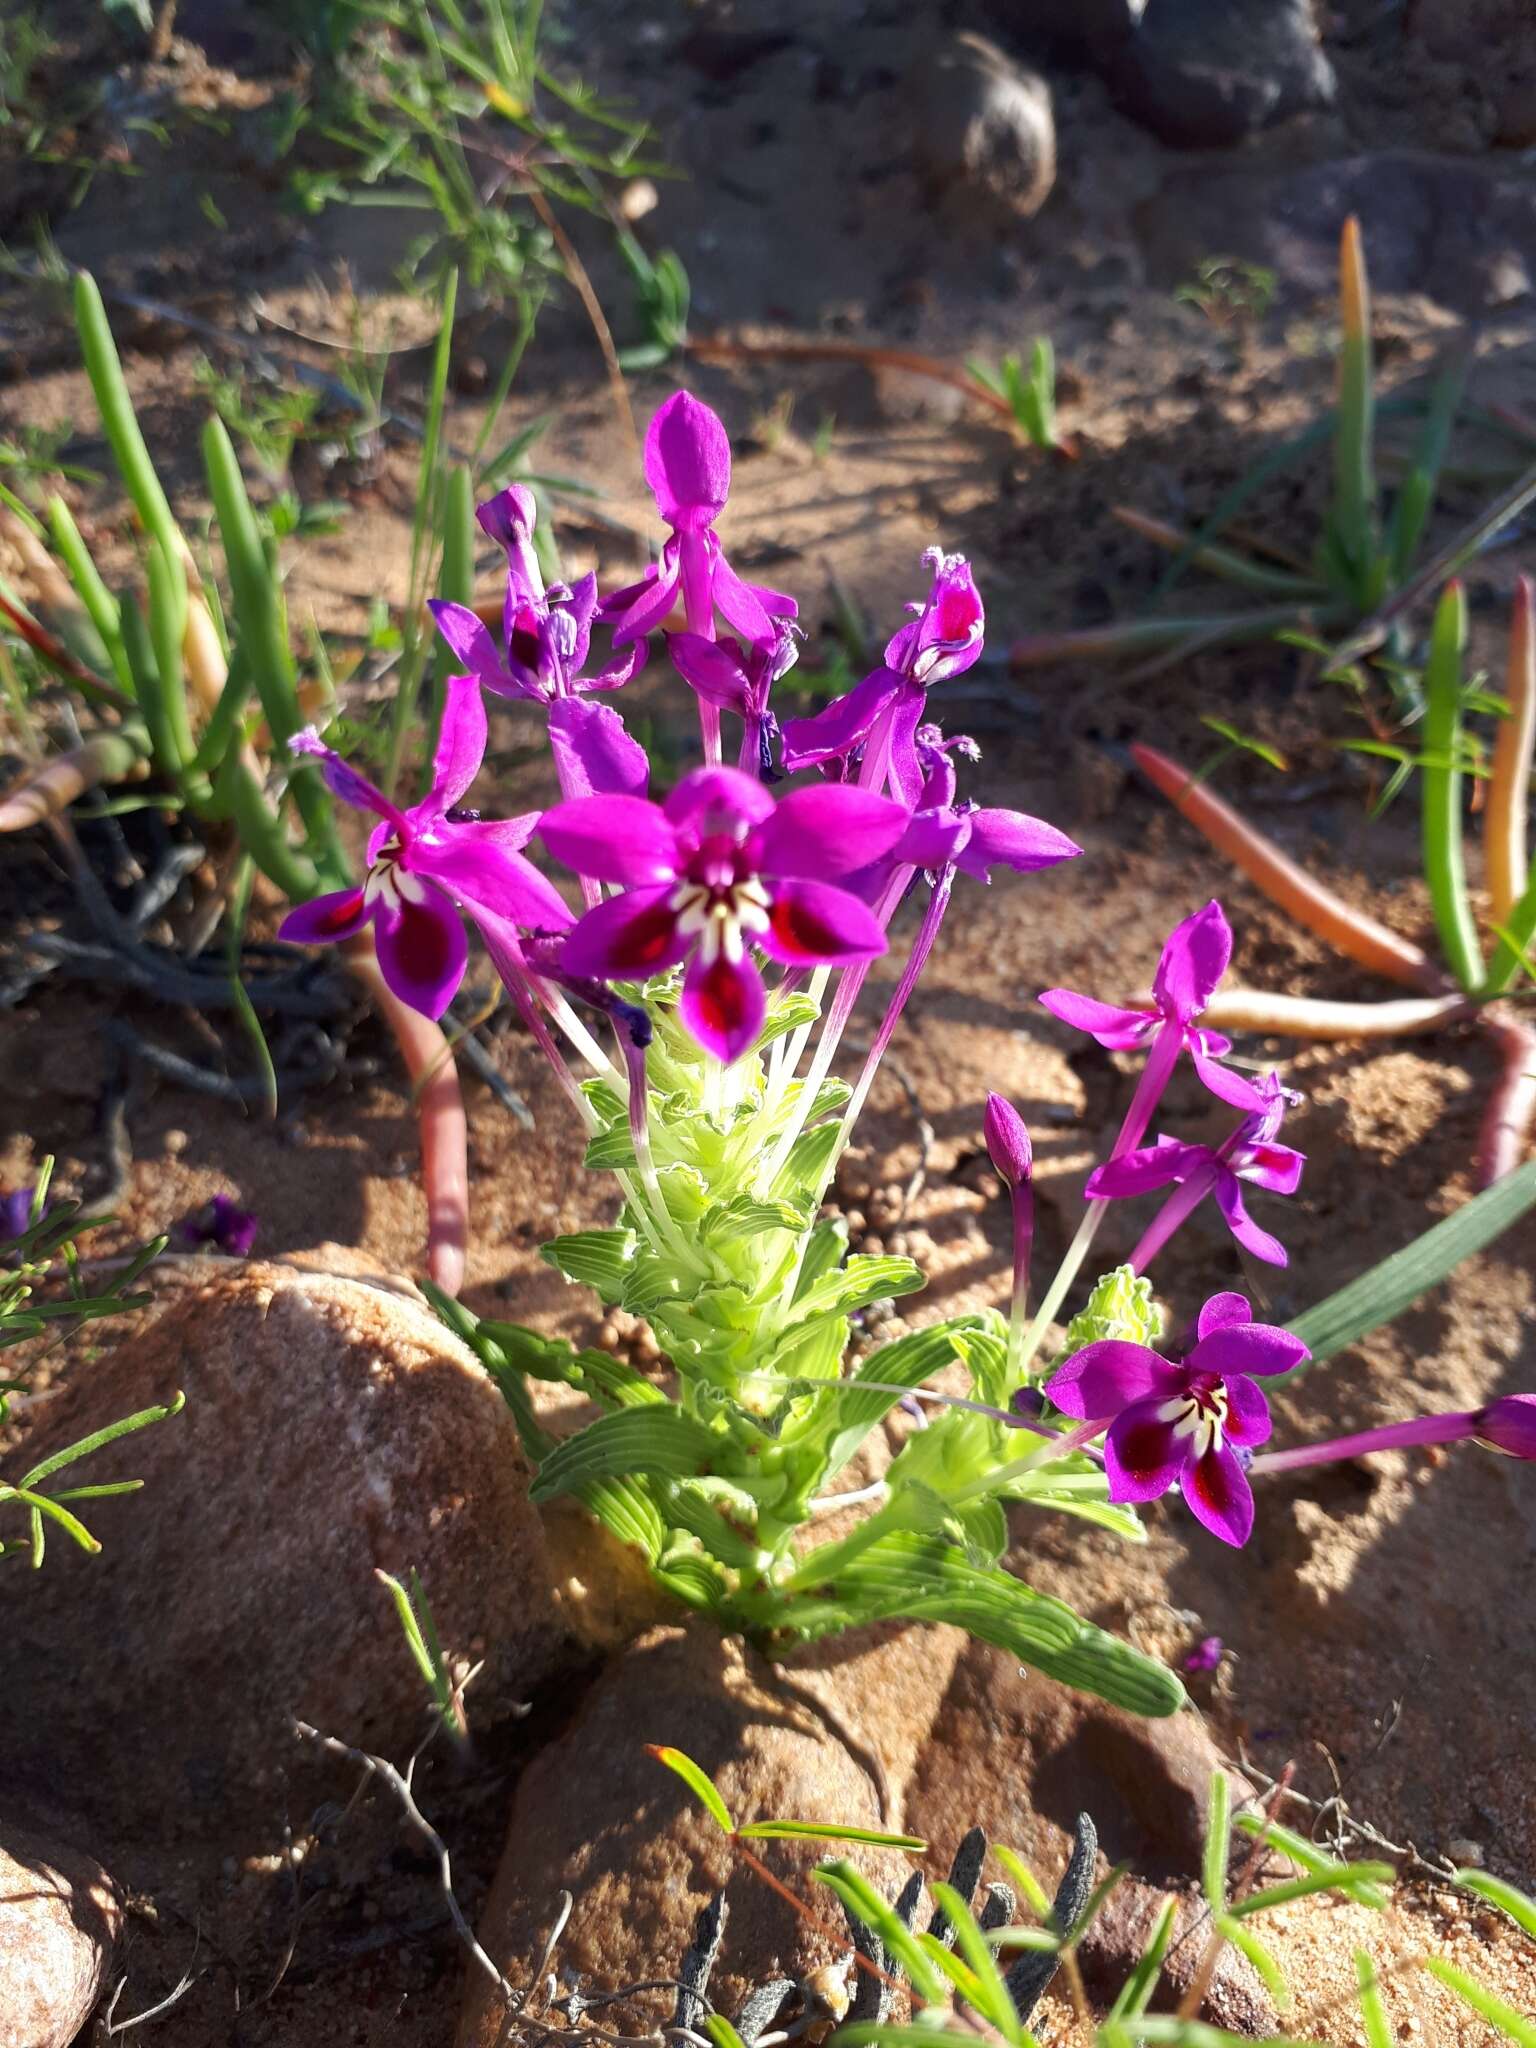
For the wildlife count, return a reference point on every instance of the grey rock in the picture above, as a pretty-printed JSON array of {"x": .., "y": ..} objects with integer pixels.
[
  {"x": 1206, "y": 73},
  {"x": 1090, "y": 32},
  {"x": 984, "y": 124},
  {"x": 59, "y": 1922}
]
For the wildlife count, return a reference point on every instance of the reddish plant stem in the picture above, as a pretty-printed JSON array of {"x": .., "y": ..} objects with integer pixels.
[
  {"x": 1511, "y": 1105},
  {"x": 760, "y": 1869},
  {"x": 440, "y": 1118}
]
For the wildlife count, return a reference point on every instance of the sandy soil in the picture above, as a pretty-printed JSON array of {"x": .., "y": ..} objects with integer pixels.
[{"x": 1380, "y": 1629}]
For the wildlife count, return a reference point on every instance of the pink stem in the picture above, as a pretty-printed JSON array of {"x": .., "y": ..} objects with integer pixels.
[
  {"x": 1162, "y": 1058},
  {"x": 1424, "y": 1429}
]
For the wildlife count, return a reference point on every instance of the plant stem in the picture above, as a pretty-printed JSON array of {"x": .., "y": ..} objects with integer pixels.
[
  {"x": 1509, "y": 785},
  {"x": 1444, "y": 869}
]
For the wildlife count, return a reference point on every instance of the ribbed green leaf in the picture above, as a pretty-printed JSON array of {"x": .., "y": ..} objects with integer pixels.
[
  {"x": 923, "y": 1578},
  {"x": 855, "y": 1285},
  {"x": 1388, "y": 1288},
  {"x": 626, "y": 1510},
  {"x": 596, "y": 1258},
  {"x": 661, "y": 1440},
  {"x": 828, "y": 1831}
]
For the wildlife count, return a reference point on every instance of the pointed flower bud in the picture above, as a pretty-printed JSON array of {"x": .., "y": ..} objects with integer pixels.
[
  {"x": 1008, "y": 1145},
  {"x": 1508, "y": 1425}
]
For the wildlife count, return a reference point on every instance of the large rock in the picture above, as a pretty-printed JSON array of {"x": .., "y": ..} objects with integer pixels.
[
  {"x": 1207, "y": 73},
  {"x": 1459, "y": 231},
  {"x": 332, "y": 1427},
  {"x": 1495, "y": 42},
  {"x": 1022, "y": 1756},
  {"x": 596, "y": 1816},
  {"x": 983, "y": 125},
  {"x": 1235, "y": 1997},
  {"x": 59, "y": 1922}
]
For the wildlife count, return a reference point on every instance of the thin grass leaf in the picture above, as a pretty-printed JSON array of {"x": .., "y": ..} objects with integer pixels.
[
  {"x": 993, "y": 2002},
  {"x": 1352, "y": 516},
  {"x": 1136, "y": 1992},
  {"x": 1373, "y": 2014},
  {"x": 721, "y": 2032},
  {"x": 901, "y": 1945},
  {"x": 1218, "y": 1835},
  {"x": 1031, "y": 1890},
  {"x": 102, "y": 607},
  {"x": 1391, "y": 1286},
  {"x": 1416, "y": 493},
  {"x": 698, "y": 1782},
  {"x": 1509, "y": 2023},
  {"x": 421, "y": 527},
  {"x": 881, "y": 2034},
  {"x": 104, "y": 368},
  {"x": 1440, "y": 782},
  {"x": 98, "y": 1439},
  {"x": 1497, "y": 1892},
  {"x": 1244, "y": 1939},
  {"x": 1358, "y": 1881},
  {"x": 827, "y": 1831}
]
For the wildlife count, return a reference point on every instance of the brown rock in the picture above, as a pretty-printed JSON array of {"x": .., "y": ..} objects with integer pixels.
[
  {"x": 1235, "y": 1998},
  {"x": 331, "y": 1428},
  {"x": 596, "y": 1816},
  {"x": 984, "y": 124},
  {"x": 1021, "y": 1756},
  {"x": 59, "y": 1922}
]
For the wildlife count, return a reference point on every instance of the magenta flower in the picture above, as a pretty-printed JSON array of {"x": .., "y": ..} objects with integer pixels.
[
  {"x": 943, "y": 833},
  {"x": 717, "y": 866},
  {"x": 688, "y": 467},
  {"x": 739, "y": 678},
  {"x": 1199, "y": 1170},
  {"x": 545, "y": 639},
  {"x": 879, "y": 717},
  {"x": 1508, "y": 1425},
  {"x": 1206, "y": 1655},
  {"x": 422, "y": 862},
  {"x": 15, "y": 1213},
  {"x": 223, "y": 1222},
  {"x": 1194, "y": 959},
  {"x": 1183, "y": 1424}
]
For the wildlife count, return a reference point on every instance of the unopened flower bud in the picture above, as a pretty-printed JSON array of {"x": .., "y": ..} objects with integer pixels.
[
  {"x": 1008, "y": 1145},
  {"x": 1509, "y": 1425}
]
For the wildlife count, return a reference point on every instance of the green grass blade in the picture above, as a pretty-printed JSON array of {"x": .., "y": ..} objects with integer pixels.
[
  {"x": 901, "y": 1945},
  {"x": 1358, "y": 1881},
  {"x": 1440, "y": 780},
  {"x": 98, "y": 1439},
  {"x": 1509, "y": 2023},
  {"x": 456, "y": 581},
  {"x": 104, "y": 368},
  {"x": 1521, "y": 1910},
  {"x": 993, "y": 2001},
  {"x": 422, "y": 520},
  {"x": 827, "y": 1831},
  {"x": 1218, "y": 1838},
  {"x": 167, "y": 631},
  {"x": 1373, "y": 2014},
  {"x": 1353, "y": 512},
  {"x": 1135, "y": 1993},
  {"x": 1416, "y": 494},
  {"x": 1388, "y": 1288},
  {"x": 1514, "y": 948},
  {"x": 698, "y": 1781},
  {"x": 245, "y": 1010},
  {"x": 101, "y": 606}
]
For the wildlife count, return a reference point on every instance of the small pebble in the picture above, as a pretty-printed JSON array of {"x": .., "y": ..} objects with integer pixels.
[
  {"x": 1461, "y": 1850},
  {"x": 174, "y": 1143}
]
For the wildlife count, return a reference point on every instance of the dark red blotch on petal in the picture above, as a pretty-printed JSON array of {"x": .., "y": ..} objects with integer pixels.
[
  {"x": 645, "y": 939},
  {"x": 341, "y": 914},
  {"x": 722, "y": 996},
  {"x": 425, "y": 945},
  {"x": 795, "y": 924},
  {"x": 1143, "y": 1448}
]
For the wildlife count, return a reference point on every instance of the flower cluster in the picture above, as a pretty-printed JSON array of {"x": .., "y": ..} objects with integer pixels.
[{"x": 726, "y": 930}]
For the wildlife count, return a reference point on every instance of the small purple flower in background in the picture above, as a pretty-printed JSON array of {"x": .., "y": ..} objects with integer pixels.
[
  {"x": 546, "y": 636},
  {"x": 1013, "y": 1156},
  {"x": 1199, "y": 1170},
  {"x": 717, "y": 867},
  {"x": 1183, "y": 1424},
  {"x": 1193, "y": 961},
  {"x": 15, "y": 1213},
  {"x": 1206, "y": 1655},
  {"x": 739, "y": 678},
  {"x": 879, "y": 717},
  {"x": 688, "y": 467},
  {"x": 421, "y": 863},
  {"x": 224, "y": 1223}
]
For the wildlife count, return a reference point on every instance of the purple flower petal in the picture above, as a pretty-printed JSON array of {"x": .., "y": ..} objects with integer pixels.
[
  {"x": 628, "y": 938},
  {"x": 1222, "y": 1312},
  {"x": 613, "y": 838},
  {"x": 723, "y": 1004},
  {"x": 1105, "y": 1377},
  {"x": 1144, "y": 1171},
  {"x": 742, "y": 604},
  {"x": 687, "y": 463},
  {"x": 1116, "y": 1029},
  {"x": 1194, "y": 960},
  {"x": 342, "y": 778},
  {"x": 508, "y": 517},
  {"x": 643, "y": 605},
  {"x": 624, "y": 666},
  {"x": 714, "y": 669},
  {"x": 1217, "y": 1493},
  {"x": 1012, "y": 839},
  {"x": 1229, "y": 1200},
  {"x": 1509, "y": 1425},
  {"x": 1248, "y": 1421},
  {"x": 841, "y": 726},
  {"x": 718, "y": 800},
  {"x": 1007, "y": 1141},
  {"x": 1276, "y": 1167},
  {"x": 904, "y": 764},
  {"x": 1223, "y": 1083},
  {"x": 1247, "y": 1347},
  {"x": 479, "y": 866},
  {"x": 814, "y": 924},
  {"x": 460, "y": 742},
  {"x": 830, "y": 828},
  {"x": 593, "y": 753},
  {"x": 422, "y": 950},
  {"x": 326, "y": 919},
  {"x": 1142, "y": 1456},
  {"x": 469, "y": 637}
]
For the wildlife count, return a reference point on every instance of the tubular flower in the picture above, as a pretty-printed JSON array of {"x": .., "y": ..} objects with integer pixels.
[
  {"x": 739, "y": 678},
  {"x": 422, "y": 862},
  {"x": 718, "y": 867},
  {"x": 688, "y": 467},
  {"x": 1183, "y": 1424},
  {"x": 1507, "y": 1425},
  {"x": 545, "y": 639},
  {"x": 971, "y": 837},
  {"x": 1193, "y": 961},
  {"x": 1199, "y": 1170},
  {"x": 879, "y": 717}
]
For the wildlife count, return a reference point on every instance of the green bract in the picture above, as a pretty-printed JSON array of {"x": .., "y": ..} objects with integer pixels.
[{"x": 754, "y": 1298}]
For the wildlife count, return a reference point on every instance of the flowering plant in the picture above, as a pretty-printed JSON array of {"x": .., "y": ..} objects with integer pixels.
[{"x": 706, "y": 1086}]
